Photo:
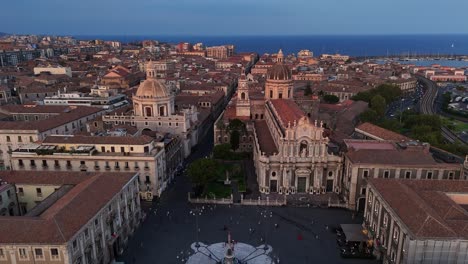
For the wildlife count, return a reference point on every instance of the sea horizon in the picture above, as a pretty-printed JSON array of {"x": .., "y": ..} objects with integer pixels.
[{"x": 353, "y": 44}]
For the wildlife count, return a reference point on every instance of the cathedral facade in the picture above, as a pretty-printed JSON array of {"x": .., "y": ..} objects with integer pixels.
[{"x": 290, "y": 150}]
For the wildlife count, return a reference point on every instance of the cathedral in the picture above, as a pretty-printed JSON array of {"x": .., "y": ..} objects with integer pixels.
[
  {"x": 290, "y": 150},
  {"x": 154, "y": 110}
]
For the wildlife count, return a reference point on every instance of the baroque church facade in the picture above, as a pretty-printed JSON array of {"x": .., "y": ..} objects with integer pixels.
[
  {"x": 154, "y": 110},
  {"x": 290, "y": 151}
]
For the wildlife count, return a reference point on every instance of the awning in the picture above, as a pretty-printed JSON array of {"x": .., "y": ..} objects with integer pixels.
[{"x": 353, "y": 233}]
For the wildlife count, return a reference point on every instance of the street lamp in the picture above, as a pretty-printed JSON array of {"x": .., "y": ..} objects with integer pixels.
[
  {"x": 197, "y": 212},
  {"x": 266, "y": 214}
]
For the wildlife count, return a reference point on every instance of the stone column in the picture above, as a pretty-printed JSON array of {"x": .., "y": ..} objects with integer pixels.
[{"x": 418, "y": 174}]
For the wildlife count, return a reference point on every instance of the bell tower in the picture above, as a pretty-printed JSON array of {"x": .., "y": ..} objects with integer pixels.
[{"x": 243, "y": 100}]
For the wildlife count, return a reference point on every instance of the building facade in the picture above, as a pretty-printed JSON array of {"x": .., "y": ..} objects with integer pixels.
[
  {"x": 412, "y": 221},
  {"x": 101, "y": 154},
  {"x": 84, "y": 218},
  {"x": 366, "y": 159}
]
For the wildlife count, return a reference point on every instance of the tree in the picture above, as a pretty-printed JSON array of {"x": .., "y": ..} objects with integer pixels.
[
  {"x": 202, "y": 172},
  {"x": 369, "y": 116},
  {"x": 379, "y": 105},
  {"x": 331, "y": 99},
  {"x": 222, "y": 151},
  {"x": 235, "y": 139},
  {"x": 308, "y": 89}
]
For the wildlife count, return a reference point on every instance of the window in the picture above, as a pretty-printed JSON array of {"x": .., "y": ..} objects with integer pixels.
[
  {"x": 429, "y": 175},
  {"x": 365, "y": 173},
  {"x": 44, "y": 163},
  {"x": 122, "y": 149},
  {"x": 54, "y": 253},
  {"x": 9, "y": 194},
  {"x": 450, "y": 175},
  {"x": 112, "y": 149},
  {"x": 273, "y": 174},
  {"x": 136, "y": 165},
  {"x": 39, "y": 192},
  {"x": 69, "y": 164},
  {"x": 8, "y": 139},
  {"x": 20, "y": 163},
  {"x": 103, "y": 149},
  {"x": 86, "y": 233},
  {"x": 82, "y": 162},
  {"x": 20, "y": 139},
  {"x": 38, "y": 253},
  {"x": 2, "y": 254},
  {"x": 33, "y": 163},
  {"x": 386, "y": 174},
  {"x": 363, "y": 191},
  {"x": 96, "y": 222},
  {"x": 147, "y": 179},
  {"x": 385, "y": 220},
  {"x": 75, "y": 245},
  {"x": 56, "y": 163},
  {"x": 23, "y": 254},
  {"x": 376, "y": 207},
  {"x": 31, "y": 139},
  {"x": 20, "y": 191},
  {"x": 407, "y": 174},
  {"x": 395, "y": 233},
  {"x": 1, "y": 199}
]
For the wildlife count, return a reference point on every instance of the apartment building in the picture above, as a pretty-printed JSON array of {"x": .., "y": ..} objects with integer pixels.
[
  {"x": 31, "y": 123},
  {"x": 368, "y": 159},
  {"x": 72, "y": 217},
  {"x": 98, "y": 153},
  {"x": 413, "y": 221}
]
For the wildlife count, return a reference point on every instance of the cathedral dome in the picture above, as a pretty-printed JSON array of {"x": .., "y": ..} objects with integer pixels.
[
  {"x": 152, "y": 87},
  {"x": 279, "y": 71}
]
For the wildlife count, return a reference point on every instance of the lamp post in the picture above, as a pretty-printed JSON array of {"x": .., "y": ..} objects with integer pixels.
[
  {"x": 197, "y": 212},
  {"x": 266, "y": 214}
]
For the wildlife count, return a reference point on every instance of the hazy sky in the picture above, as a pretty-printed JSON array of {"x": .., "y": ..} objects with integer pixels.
[{"x": 233, "y": 17}]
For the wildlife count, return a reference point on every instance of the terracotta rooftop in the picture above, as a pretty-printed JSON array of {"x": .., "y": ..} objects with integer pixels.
[
  {"x": 265, "y": 140},
  {"x": 288, "y": 111},
  {"x": 425, "y": 207},
  {"x": 379, "y": 133},
  {"x": 75, "y": 113},
  {"x": 60, "y": 222},
  {"x": 385, "y": 152}
]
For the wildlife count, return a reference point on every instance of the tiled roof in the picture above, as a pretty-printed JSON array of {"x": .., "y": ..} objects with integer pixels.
[
  {"x": 424, "y": 206},
  {"x": 31, "y": 109},
  {"x": 392, "y": 157},
  {"x": 105, "y": 140},
  {"x": 75, "y": 113},
  {"x": 60, "y": 222},
  {"x": 288, "y": 111},
  {"x": 380, "y": 133},
  {"x": 265, "y": 140}
]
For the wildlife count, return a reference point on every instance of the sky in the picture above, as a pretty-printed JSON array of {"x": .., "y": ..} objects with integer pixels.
[{"x": 234, "y": 17}]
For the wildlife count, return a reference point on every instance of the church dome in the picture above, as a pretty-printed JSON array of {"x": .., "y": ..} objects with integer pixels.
[
  {"x": 279, "y": 71},
  {"x": 152, "y": 87}
]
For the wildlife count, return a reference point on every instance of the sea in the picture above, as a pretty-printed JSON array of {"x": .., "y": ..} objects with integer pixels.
[{"x": 353, "y": 45}]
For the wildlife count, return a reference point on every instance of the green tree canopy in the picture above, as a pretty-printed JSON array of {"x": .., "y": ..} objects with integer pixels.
[
  {"x": 379, "y": 105},
  {"x": 331, "y": 99},
  {"x": 203, "y": 171},
  {"x": 369, "y": 116},
  {"x": 235, "y": 139}
]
